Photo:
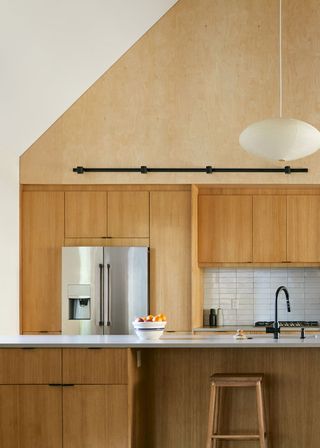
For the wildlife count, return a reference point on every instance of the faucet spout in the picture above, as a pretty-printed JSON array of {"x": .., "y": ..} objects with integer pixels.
[{"x": 276, "y": 327}]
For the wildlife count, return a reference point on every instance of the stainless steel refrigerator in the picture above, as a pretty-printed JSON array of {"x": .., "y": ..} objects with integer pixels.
[{"x": 104, "y": 289}]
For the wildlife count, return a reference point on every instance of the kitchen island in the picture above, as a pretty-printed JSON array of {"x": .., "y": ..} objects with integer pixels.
[{"x": 119, "y": 392}]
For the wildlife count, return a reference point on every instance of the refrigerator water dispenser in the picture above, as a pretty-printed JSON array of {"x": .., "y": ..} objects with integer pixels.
[{"x": 79, "y": 308}]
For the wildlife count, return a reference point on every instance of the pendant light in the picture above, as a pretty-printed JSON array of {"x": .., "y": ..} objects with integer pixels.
[{"x": 280, "y": 138}]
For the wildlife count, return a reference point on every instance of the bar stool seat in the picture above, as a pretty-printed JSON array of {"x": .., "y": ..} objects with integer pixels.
[{"x": 221, "y": 380}]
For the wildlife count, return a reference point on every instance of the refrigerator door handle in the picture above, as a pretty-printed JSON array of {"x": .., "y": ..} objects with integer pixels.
[
  {"x": 109, "y": 296},
  {"x": 101, "y": 320}
]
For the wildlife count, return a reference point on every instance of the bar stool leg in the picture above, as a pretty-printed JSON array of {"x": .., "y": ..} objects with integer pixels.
[
  {"x": 261, "y": 416},
  {"x": 216, "y": 411},
  {"x": 212, "y": 417}
]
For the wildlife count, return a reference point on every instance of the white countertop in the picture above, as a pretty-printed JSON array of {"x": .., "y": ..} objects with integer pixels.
[
  {"x": 251, "y": 328},
  {"x": 178, "y": 340}
]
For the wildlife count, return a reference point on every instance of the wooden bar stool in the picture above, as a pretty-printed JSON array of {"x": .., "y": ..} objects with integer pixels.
[{"x": 219, "y": 381}]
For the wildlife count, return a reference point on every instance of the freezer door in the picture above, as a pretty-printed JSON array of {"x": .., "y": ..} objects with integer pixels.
[
  {"x": 82, "y": 287},
  {"x": 126, "y": 287}
]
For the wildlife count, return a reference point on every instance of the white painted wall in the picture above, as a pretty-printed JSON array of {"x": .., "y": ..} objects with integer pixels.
[{"x": 51, "y": 51}]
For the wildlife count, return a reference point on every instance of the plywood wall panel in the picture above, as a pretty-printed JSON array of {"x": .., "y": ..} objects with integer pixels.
[{"x": 181, "y": 96}]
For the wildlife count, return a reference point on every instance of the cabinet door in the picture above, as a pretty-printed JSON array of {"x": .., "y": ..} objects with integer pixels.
[
  {"x": 40, "y": 417},
  {"x": 9, "y": 425},
  {"x": 225, "y": 229},
  {"x": 170, "y": 242},
  {"x": 128, "y": 214},
  {"x": 269, "y": 229},
  {"x": 95, "y": 416},
  {"x": 86, "y": 214},
  {"x": 303, "y": 234},
  {"x": 42, "y": 239}
]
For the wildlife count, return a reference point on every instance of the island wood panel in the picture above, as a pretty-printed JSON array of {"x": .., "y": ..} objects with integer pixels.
[
  {"x": 128, "y": 214},
  {"x": 42, "y": 236},
  {"x": 9, "y": 424},
  {"x": 303, "y": 232},
  {"x": 269, "y": 228},
  {"x": 183, "y": 377},
  {"x": 85, "y": 214},
  {"x": 95, "y": 416},
  {"x": 40, "y": 417},
  {"x": 30, "y": 366},
  {"x": 170, "y": 270},
  {"x": 95, "y": 366},
  {"x": 225, "y": 228}
]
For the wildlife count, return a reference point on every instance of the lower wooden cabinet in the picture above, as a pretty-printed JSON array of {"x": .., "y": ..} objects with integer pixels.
[
  {"x": 9, "y": 399},
  {"x": 81, "y": 414},
  {"x": 40, "y": 419},
  {"x": 95, "y": 416},
  {"x": 30, "y": 416}
]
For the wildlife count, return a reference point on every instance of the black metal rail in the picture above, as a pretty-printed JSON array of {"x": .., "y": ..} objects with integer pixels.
[{"x": 208, "y": 170}]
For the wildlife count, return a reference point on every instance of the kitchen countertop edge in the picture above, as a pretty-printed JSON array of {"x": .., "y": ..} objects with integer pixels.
[{"x": 178, "y": 340}]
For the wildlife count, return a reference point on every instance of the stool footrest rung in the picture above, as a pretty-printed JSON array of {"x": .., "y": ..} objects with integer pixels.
[{"x": 236, "y": 437}]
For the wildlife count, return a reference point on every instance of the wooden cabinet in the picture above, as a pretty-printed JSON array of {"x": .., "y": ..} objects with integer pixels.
[
  {"x": 95, "y": 366},
  {"x": 303, "y": 234},
  {"x": 85, "y": 214},
  {"x": 278, "y": 226},
  {"x": 225, "y": 228},
  {"x": 95, "y": 416},
  {"x": 99, "y": 214},
  {"x": 269, "y": 228},
  {"x": 30, "y": 416},
  {"x": 42, "y": 232},
  {"x": 128, "y": 214},
  {"x": 87, "y": 403},
  {"x": 9, "y": 422},
  {"x": 30, "y": 409},
  {"x": 40, "y": 417},
  {"x": 30, "y": 366},
  {"x": 96, "y": 407},
  {"x": 170, "y": 270}
]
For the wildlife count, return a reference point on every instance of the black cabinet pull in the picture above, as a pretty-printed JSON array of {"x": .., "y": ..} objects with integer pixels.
[{"x": 60, "y": 385}]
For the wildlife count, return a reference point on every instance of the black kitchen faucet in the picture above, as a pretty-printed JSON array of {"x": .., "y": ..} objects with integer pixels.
[{"x": 276, "y": 327}]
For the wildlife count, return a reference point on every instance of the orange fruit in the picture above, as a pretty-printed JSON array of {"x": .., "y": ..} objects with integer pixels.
[
  {"x": 149, "y": 318},
  {"x": 163, "y": 317},
  {"x": 157, "y": 318}
]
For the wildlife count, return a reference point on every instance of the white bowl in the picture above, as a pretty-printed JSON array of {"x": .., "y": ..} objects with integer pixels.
[{"x": 149, "y": 330}]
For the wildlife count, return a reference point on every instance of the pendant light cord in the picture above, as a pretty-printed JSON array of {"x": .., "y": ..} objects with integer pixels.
[{"x": 280, "y": 58}]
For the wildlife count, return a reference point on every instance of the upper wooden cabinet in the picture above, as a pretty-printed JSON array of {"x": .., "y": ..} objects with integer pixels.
[
  {"x": 98, "y": 214},
  {"x": 303, "y": 237},
  {"x": 42, "y": 233},
  {"x": 128, "y": 214},
  {"x": 225, "y": 228},
  {"x": 273, "y": 227},
  {"x": 170, "y": 270},
  {"x": 85, "y": 214},
  {"x": 269, "y": 228}
]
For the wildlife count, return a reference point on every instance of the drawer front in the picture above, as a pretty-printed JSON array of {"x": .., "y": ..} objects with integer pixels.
[
  {"x": 95, "y": 366},
  {"x": 30, "y": 366}
]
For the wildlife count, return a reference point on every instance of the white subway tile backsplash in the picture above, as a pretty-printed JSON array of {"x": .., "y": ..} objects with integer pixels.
[{"x": 254, "y": 291}]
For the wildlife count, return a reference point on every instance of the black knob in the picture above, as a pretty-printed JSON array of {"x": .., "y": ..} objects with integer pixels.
[{"x": 302, "y": 336}]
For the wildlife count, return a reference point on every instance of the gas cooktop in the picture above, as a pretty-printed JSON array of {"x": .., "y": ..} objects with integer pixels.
[{"x": 288, "y": 323}]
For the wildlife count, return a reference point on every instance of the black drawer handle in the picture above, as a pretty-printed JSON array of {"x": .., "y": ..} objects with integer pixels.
[{"x": 60, "y": 385}]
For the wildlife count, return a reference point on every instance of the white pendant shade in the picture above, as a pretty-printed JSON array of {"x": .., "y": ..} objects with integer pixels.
[{"x": 280, "y": 139}]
